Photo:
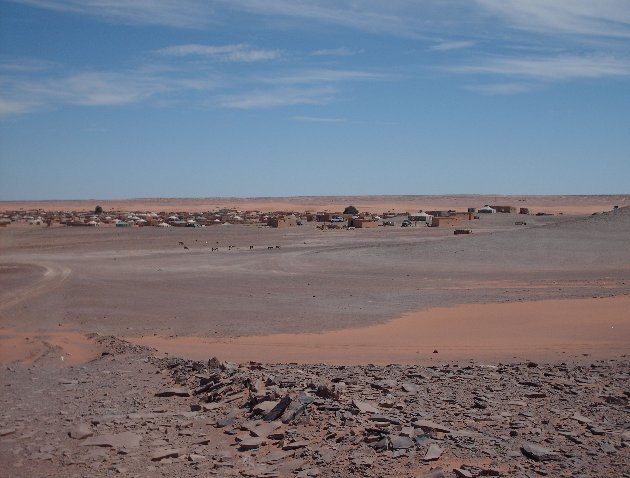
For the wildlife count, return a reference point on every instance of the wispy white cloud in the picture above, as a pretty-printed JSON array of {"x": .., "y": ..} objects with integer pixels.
[
  {"x": 341, "y": 51},
  {"x": 174, "y": 13},
  {"x": 605, "y": 18},
  {"x": 277, "y": 97},
  {"x": 452, "y": 45},
  {"x": 550, "y": 68},
  {"x": 91, "y": 88},
  {"x": 501, "y": 88},
  {"x": 318, "y": 119},
  {"x": 238, "y": 52},
  {"x": 325, "y": 75}
]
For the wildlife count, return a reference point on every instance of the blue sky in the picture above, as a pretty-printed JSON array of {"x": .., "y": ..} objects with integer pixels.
[{"x": 164, "y": 98}]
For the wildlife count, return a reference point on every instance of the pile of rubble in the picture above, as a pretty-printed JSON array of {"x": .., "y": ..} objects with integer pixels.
[
  {"x": 129, "y": 413},
  {"x": 463, "y": 420}
]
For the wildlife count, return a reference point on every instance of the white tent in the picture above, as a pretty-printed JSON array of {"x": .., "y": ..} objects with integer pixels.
[{"x": 486, "y": 210}]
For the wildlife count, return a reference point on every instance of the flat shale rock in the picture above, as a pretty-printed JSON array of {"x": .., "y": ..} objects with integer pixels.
[
  {"x": 428, "y": 425},
  {"x": 277, "y": 411},
  {"x": 174, "y": 392},
  {"x": 365, "y": 407},
  {"x": 114, "y": 440},
  {"x": 163, "y": 453},
  {"x": 437, "y": 473},
  {"x": 538, "y": 452},
  {"x": 251, "y": 444},
  {"x": 295, "y": 445},
  {"x": 433, "y": 453},
  {"x": 399, "y": 442}
]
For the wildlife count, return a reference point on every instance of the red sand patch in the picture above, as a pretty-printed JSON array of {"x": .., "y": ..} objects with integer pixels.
[
  {"x": 544, "y": 330},
  {"x": 69, "y": 348}
]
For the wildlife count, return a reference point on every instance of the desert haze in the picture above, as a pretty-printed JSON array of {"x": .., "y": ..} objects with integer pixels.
[{"x": 365, "y": 346}]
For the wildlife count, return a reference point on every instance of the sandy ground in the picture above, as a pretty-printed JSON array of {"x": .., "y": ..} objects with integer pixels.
[
  {"x": 140, "y": 282},
  {"x": 375, "y": 204},
  {"x": 549, "y": 331}
]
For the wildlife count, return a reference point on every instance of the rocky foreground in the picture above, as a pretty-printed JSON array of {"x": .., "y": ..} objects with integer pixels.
[{"x": 129, "y": 413}]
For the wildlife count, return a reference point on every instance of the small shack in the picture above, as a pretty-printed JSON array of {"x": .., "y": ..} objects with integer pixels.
[
  {"x": 444, "y": 221},
  {"x": 486, "y": 210},
  {"x": 505, "y": 209},
  {"x": 282, "y": 221},
  {"x": 421, "y": 217},
  {"x": 363, "y": 223}
]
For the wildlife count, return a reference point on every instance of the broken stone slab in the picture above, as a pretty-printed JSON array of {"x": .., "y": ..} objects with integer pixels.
[
  {"x": 80, "y": 431},
  {"x": 227, "y": 420},
  {"x": 462, "y": 473},
  {"x": 264, "y": 430},
  {"x": 263, "y": 408},
  {"x": 399, "y": 442},
  {"x": 163, "y": 453},
  {"x": 410, "y": 387},
  {"x": 297, "y": 407},
  {"x": 277, "y": 411},
  {"x": 251, "y": 444},
  {"x": 581, "y": 419},
  {"x": 114, "y": 440},
  {"x": 436, "y": 473},
  {"x": 538, "y": 452},
  {"x": 433, "y": 453},
  {"x": 365, "y": 407},
  {"x": 295, "y": 445},
  {"x": 428, "y": 425},
  {"x": 174, "y": 392}
]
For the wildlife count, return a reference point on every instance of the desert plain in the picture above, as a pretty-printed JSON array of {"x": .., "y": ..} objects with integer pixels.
[{"x": 386, "y": 351}]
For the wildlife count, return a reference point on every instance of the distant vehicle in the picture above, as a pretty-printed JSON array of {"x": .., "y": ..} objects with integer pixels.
[
  {"x": 457, "y": 232},
  {"x": 388, "y": 223},
  {"x": 520, "y": 223},
  {"x": 337, "y": 219},
  {"x": 406, "y": 223}
]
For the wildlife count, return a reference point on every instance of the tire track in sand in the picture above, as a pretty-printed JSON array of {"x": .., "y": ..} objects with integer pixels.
[{"x": 53, "y": 277}]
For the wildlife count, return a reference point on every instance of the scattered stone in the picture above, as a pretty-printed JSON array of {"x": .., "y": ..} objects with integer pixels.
[
  {"x": 114, "y": 440},
  {"x": 537, "y": 452},
  {"x": 174, "y": 392},
  {"x": 163, "y": 453},
  {"x": 277, "y": 411},
  {"x": 399, "y": 442},
  {"x": 251, "y": 444},
  {"x": 365, "y": 407},
  {"x": 428, "y": 425},
  {"x": 433, "y": 453},
  {"x": 295, "y": 445}
]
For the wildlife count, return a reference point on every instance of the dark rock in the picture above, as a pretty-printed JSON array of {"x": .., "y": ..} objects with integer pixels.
[
  {"x": 163, "y": 453},
  {"x": 538, "y": 452},
  {"x": 174, "y": 392},
  {"x": 277, "y": 411}
]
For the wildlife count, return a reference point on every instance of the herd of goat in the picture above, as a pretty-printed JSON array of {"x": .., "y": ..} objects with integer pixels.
[{"x": 212, "y": 249}]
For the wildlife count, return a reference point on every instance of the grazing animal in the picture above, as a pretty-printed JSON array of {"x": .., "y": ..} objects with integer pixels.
[
  {"x": 181, "y": 243},
  {"x": 277, "y": 247},
  {"x": 251, "y": 247},
  {"x": 186, "y": 247},
  {"x": 269, "y": 247},
  {"x": 215, "y": 249}
]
